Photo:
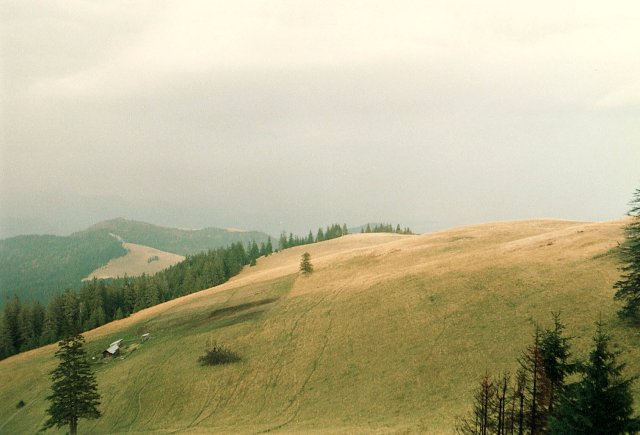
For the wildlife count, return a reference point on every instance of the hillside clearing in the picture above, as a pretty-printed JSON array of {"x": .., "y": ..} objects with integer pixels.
[
  {"x": 139, "y": 259},
  {"x": 389, "y": 334}
]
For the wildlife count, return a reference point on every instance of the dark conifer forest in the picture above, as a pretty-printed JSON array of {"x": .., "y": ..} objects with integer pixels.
[
  {"x": 41, "y": 266},
  {"x": 26, "y": 325}
]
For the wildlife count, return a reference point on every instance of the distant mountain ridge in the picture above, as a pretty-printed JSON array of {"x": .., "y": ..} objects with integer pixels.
[
  {"x": 40, "y": 266},
  {"x": 176, "y": 240}
]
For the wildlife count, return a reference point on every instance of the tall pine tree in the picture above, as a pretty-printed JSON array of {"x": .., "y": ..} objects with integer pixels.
[
  {"x": 628, "y": 287},
  {"x": 601, "y": 402},
  {"x": 537, "y": 386},
  {"x": 554, "y": 347},
  {"x": 74, "y": 388},
  {"x": 268, "y": 247},
  {"x": 482, "y": 420}
]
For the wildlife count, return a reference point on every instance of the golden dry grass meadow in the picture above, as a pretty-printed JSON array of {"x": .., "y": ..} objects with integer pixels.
[{"x": 389, "y": 335}]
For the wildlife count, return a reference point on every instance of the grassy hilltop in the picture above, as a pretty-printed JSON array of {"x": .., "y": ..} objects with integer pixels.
[
  {"x": 139, "y": 259},
  {"x": 389, "y": 334}
]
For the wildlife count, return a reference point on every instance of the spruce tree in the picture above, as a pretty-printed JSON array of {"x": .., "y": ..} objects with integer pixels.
[
  {"x": 6, "y": 345},
  {"x": 74, "y": 389},
  {"x": 11, "y": 335},
  {"x": 518, "y": 403},
  {"x": 537, "y": 386},
  {"x": 483, "y": 419},
  {"x": 38, "y": 313},
  {"x": 628, "y": 287},
  {"x": 554, "y": 347},
  {"x": 504, "y": 418},
  {"x": 254, "y": 253},
  {"x": 283, "y": 243},
  {"x": 305, "y": 264},
  {"x": 601, "y": 402},
  {"x": 28, "y": 338}
]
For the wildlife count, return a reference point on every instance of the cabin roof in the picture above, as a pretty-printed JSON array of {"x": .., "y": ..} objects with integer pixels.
[{"x": 113, "y": 348}]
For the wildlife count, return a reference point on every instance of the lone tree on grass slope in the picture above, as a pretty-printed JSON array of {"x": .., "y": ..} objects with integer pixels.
[
  {"x": 628, "y": 287},
  {"x": 74, "y": 389},
  {"x": 305, "y": 264}
]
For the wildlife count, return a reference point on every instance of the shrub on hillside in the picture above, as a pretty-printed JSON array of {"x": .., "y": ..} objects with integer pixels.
[{"x": 216, "y": 354}]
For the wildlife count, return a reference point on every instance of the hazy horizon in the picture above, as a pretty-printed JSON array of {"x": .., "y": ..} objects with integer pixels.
[{"x": 292, "y": 115}]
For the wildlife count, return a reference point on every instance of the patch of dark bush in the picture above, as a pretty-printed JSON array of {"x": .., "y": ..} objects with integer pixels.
[{"x": 216, "y": 354}]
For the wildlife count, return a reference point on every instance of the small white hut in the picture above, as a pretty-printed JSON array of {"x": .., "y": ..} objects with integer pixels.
[{"x": 113, "y": 349}]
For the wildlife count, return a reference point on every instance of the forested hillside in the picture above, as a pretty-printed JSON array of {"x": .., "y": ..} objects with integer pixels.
[
  {"x": 178, "y": 241},
  {"x": 25, "y": 325},
  {"x": 41, "y": 266}
]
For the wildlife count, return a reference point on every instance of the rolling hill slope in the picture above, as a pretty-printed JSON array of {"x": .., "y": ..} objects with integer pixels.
[{"x": 389, "y": 334}]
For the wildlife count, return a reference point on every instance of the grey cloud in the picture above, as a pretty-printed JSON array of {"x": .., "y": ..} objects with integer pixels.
[{"x": 425, "y": 141}]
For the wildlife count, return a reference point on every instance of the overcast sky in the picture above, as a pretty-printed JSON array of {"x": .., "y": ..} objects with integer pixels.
[{"x": 278, "y": 115}]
